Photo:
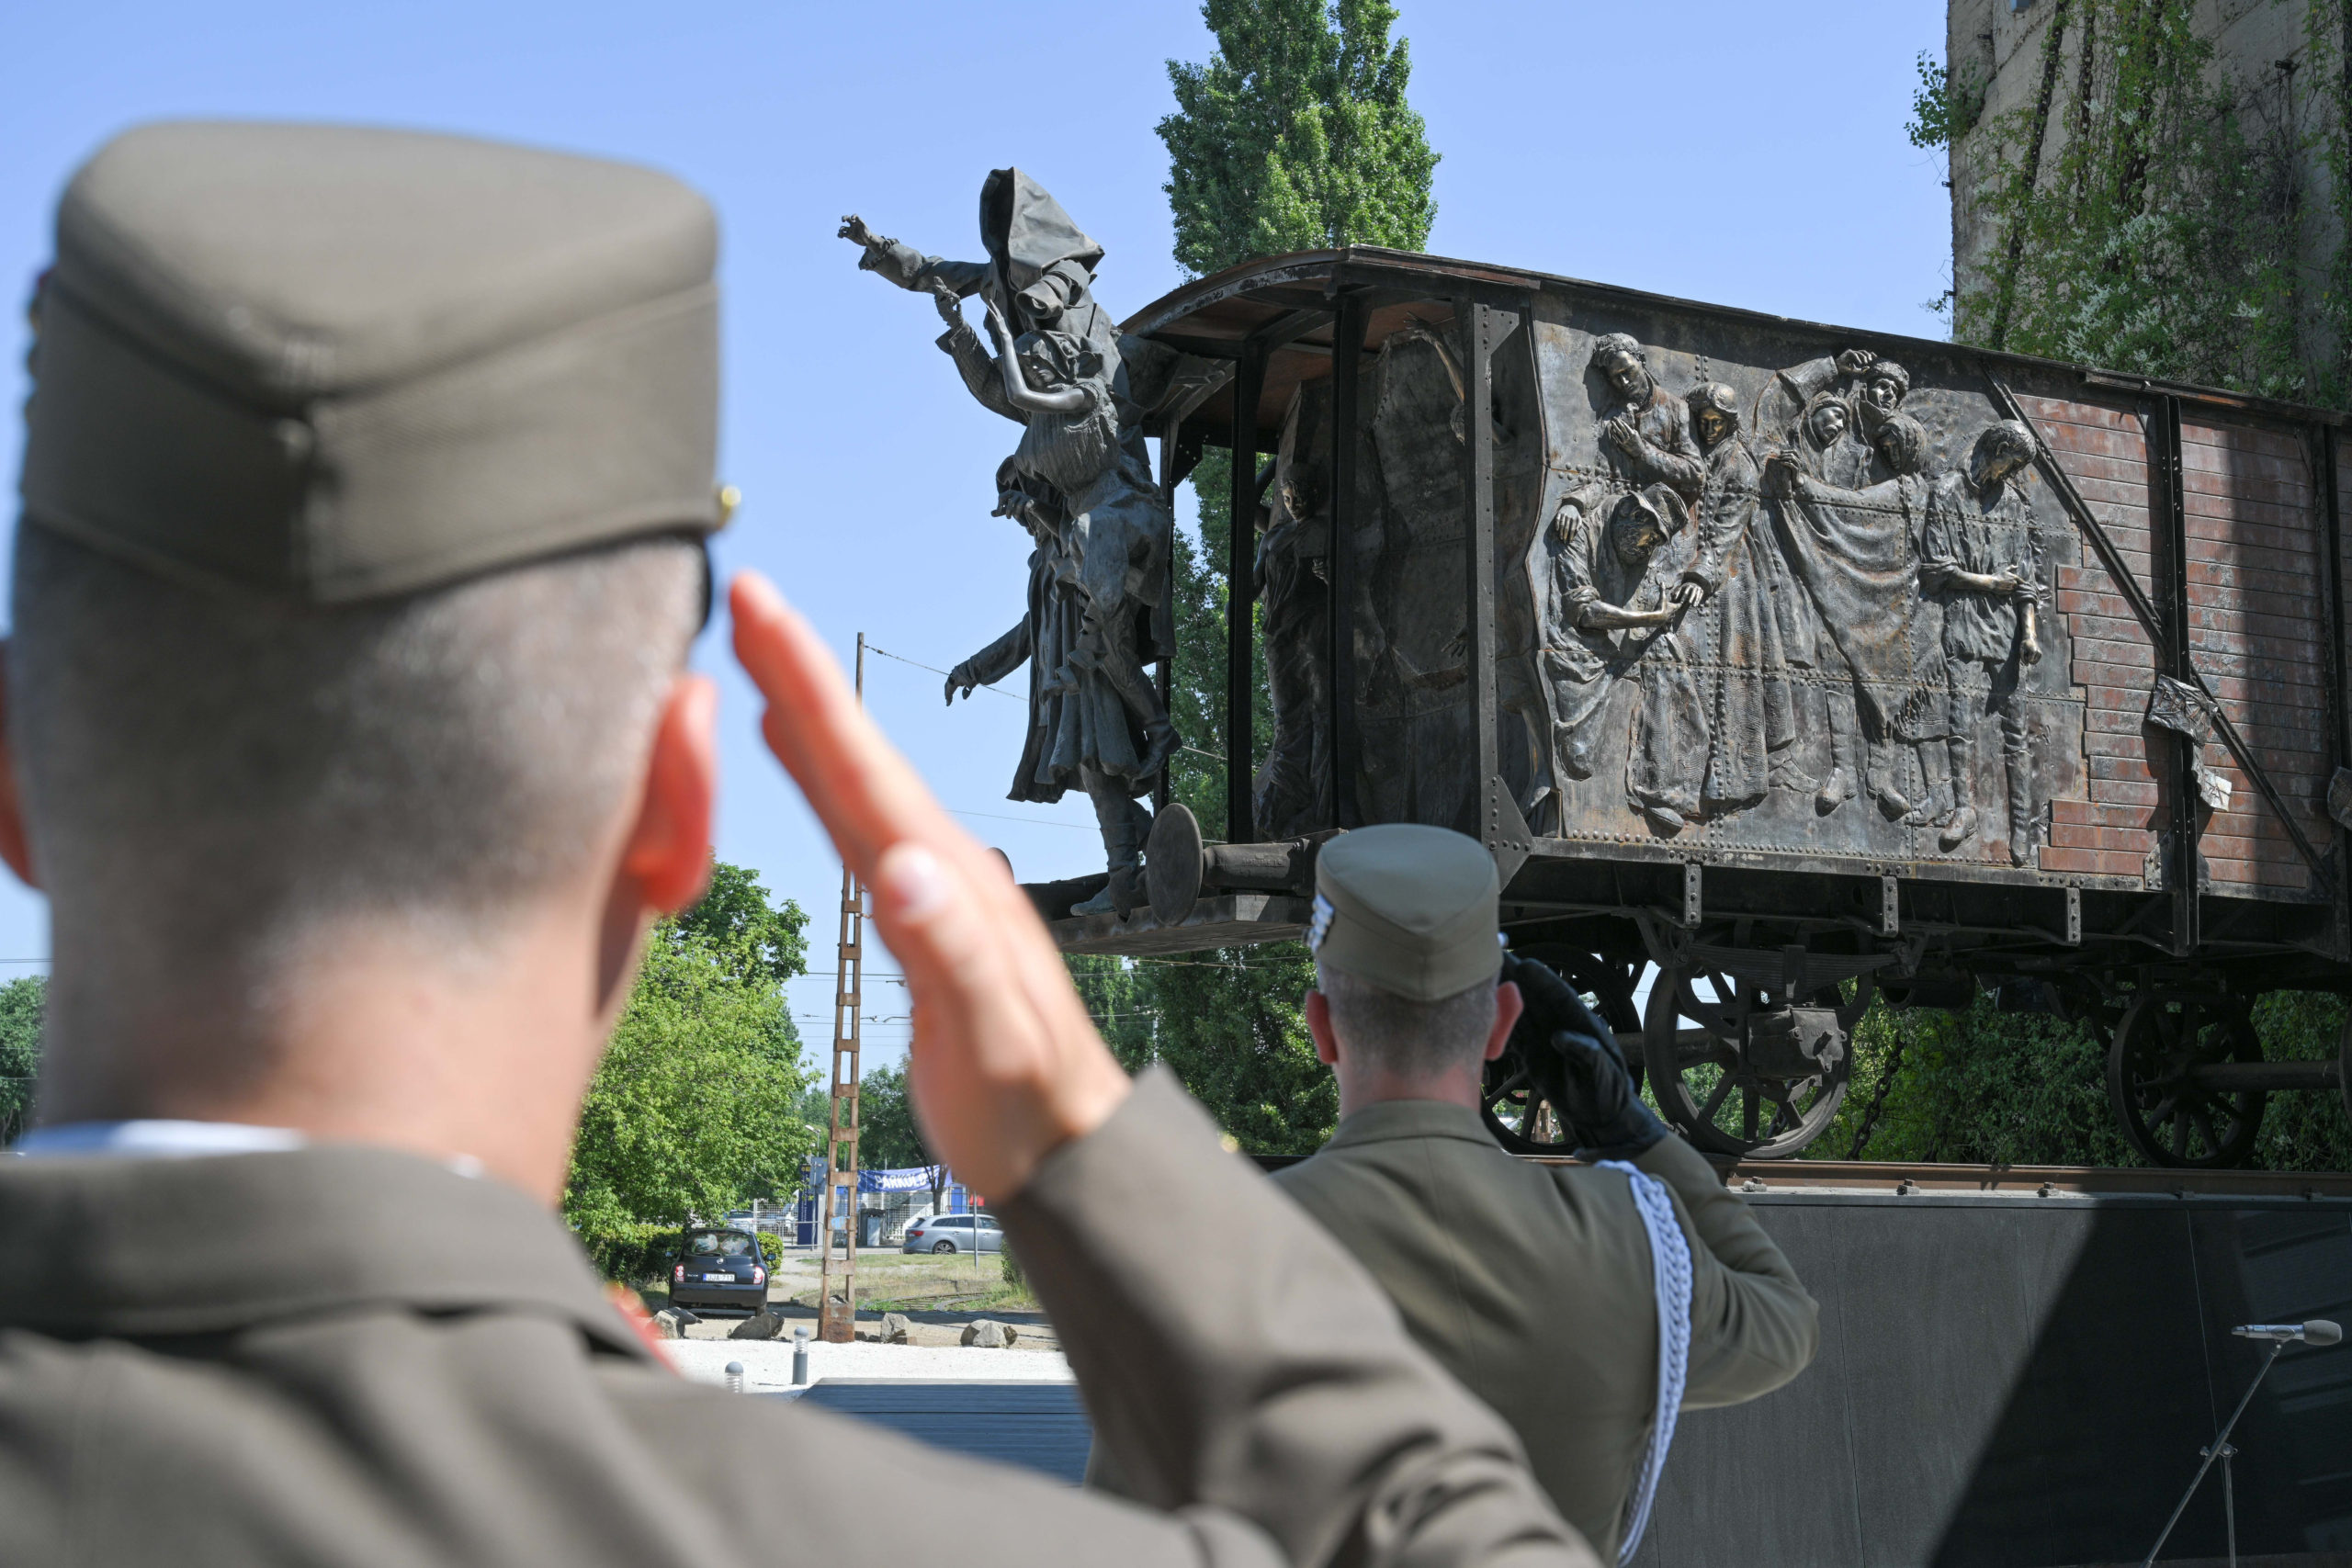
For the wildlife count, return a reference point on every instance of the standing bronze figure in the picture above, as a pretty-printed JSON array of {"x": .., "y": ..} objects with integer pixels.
[
  {"x": 1982, "y": 559},
  {"x": 1080, "y": 476}
]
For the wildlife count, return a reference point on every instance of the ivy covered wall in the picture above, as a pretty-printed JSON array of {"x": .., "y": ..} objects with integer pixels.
[{"x": 2152, "y": 186}]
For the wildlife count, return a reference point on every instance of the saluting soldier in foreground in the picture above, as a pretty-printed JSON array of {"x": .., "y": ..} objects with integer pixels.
[
  {"x": 364, "y": 493},
  {"x": 1549, "y": 1291}
]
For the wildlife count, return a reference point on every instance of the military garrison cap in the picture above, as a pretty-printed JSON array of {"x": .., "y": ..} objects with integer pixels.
[
  {"x": 336, "y": 364},
  {"x": 1408, "y": 908}
]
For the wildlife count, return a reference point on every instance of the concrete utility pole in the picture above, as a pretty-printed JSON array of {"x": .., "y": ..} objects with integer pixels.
[{"x": 837, "y": 1313}]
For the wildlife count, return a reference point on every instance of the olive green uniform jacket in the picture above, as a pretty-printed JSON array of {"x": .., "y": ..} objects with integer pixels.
[
  {"x": 1532, "y": 1283},
  {"x": 344, "y": 1355}
]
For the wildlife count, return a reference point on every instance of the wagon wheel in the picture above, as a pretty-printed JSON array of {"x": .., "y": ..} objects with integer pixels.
[
  {"x": 2093, "y": 1001},
  {"x": 2162, "y": 1037},
  {"x": 1708, "y": 1086},
  {"x": 1514, "y": 1108}
]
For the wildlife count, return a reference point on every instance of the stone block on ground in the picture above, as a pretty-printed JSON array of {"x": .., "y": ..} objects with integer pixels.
[
  {"x": 989, "y": 1334},
  {"x": 668, "y": 1325},
  {"x": 894, "y": 1329},
  {"x": 761, "y": 1324}
]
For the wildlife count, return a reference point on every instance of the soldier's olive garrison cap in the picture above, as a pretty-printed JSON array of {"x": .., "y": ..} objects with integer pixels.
[
  {"x": 334, "y": 363},
  {"x": 1409, "y": 908}
]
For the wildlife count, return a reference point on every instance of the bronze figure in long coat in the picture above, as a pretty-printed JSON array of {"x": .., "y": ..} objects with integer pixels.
[{"x": 1759, "y": 622}]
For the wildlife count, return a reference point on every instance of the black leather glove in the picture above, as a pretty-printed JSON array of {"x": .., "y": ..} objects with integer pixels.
[{"x": 1574, "y": 1058}]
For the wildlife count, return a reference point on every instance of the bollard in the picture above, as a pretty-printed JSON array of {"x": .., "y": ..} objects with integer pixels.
[
  {"x": 734, "y": 1377},
  {"x": 799, "y": 1354}
]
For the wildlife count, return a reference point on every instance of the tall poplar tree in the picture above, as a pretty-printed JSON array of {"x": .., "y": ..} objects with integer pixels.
[{"x": 1295, "y": 135}]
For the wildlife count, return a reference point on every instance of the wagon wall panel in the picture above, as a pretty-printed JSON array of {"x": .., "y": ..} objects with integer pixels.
[
  {"x": 2111, "y": 831},
  {"x": 2259, "y": 632}
]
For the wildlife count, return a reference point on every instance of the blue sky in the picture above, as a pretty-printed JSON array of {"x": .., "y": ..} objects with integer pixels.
[{"x": 1751, "y": 155}]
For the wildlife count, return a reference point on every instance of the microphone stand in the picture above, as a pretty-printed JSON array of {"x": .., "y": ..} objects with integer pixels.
[{"x": 2222, "y": 1451}]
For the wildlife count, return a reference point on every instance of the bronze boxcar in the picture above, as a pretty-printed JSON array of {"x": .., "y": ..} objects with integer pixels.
[{"x": 1804, "y": 664}]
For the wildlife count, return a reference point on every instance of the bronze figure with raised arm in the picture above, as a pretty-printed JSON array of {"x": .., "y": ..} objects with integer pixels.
[{"x": 1056, "y": 370}]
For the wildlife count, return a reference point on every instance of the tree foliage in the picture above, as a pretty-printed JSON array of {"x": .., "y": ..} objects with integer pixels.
[
  {"x": 1295, "y": 135},
  {"x": 1989, "y": 1088},
  {"x": 1229, "y": 1026},
  {"x": 889, "y": 1137},
  {"x": 696, "y": 1104},
  {"x": 20, "y": 1009},
  {"x": 2149, "y": 205},
  {"x": 1120, "y": 997}
]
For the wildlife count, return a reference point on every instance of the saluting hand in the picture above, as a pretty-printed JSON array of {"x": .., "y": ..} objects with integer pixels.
[
  {"x": 1005, "y": 1065},
  {"x": 1575, "y": 1060}
]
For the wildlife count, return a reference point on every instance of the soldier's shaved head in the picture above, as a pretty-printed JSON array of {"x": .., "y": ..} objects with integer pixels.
[
  {"x": 1399, "y": 1034},
  {"x": 210, "y": 775}
]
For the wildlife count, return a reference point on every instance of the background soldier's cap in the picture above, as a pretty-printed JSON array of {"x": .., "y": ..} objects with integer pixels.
[
  {"x": 336, "y": 364},
  {"x": 1409, "y": 908}
]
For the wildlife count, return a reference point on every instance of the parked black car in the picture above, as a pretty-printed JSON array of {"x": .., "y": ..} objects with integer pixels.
[{"x": 719, "y": 1268}]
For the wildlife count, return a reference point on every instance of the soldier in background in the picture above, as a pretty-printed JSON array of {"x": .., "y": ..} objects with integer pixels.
[
  {"x": 349, "y": 733},
  {"x": 1550, "y": 1290}
]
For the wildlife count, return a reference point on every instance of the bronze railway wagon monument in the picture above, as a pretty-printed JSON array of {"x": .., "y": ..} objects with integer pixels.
[
  {"x": 1783, "y": 657},
  {"x": 1805, "y": 665}
]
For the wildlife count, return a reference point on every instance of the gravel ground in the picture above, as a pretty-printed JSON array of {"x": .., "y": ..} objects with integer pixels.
[{"x": 767, "y": 1363}]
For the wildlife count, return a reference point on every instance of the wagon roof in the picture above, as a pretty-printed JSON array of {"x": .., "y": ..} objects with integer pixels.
[{"x": 1286, "y": 304}]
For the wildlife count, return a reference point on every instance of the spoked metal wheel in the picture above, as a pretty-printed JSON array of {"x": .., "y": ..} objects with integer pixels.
[
  {"x": 2156, "y": 1078},
  {"x": 1756, "y": 1078},
  {"x": 1516, "y": 1113}
]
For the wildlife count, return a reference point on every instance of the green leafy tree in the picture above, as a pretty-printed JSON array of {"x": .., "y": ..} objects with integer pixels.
[
  {"x": 888, "y": 1136},
  {"x": 746, "y": 934},
  {"x": 1295, "y": 135},
  {"x": 1119, "y": 997},
  {"x": 1985, "y": 1087},
  {"x": 21, "y": 1009},
  {"x": 1229, "y": 1027},
  {"x": 696, "y": 1105}
]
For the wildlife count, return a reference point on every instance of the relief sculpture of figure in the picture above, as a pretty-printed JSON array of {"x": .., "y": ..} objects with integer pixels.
[
  {"x": 1761, "y": 620},
  {"x": 1666, "y": 763},
  {"x": 1826, "y": 445},
  {"x": 1871, "y": 389},
  {"x": 1647, "y": 437},
  {"x": 1982, "y": 558},
  {"x": 1096, "y": 720},
  {"x": 1292, "y": 793},
  {"x": 1857, "y": 554},
  {"x": 1596, "y": 561}
]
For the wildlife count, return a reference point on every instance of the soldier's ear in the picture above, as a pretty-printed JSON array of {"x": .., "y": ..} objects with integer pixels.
[
  {"x": 15, "y": 848},
  {"x": 667, "y": 853},
  {"x": 1508, "y": 1004},
  {"x": 1317, "y": 1008}
]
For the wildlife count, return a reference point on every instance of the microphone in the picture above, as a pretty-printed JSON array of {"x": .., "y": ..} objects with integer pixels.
[{"x": 2318, "y": 1331}]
